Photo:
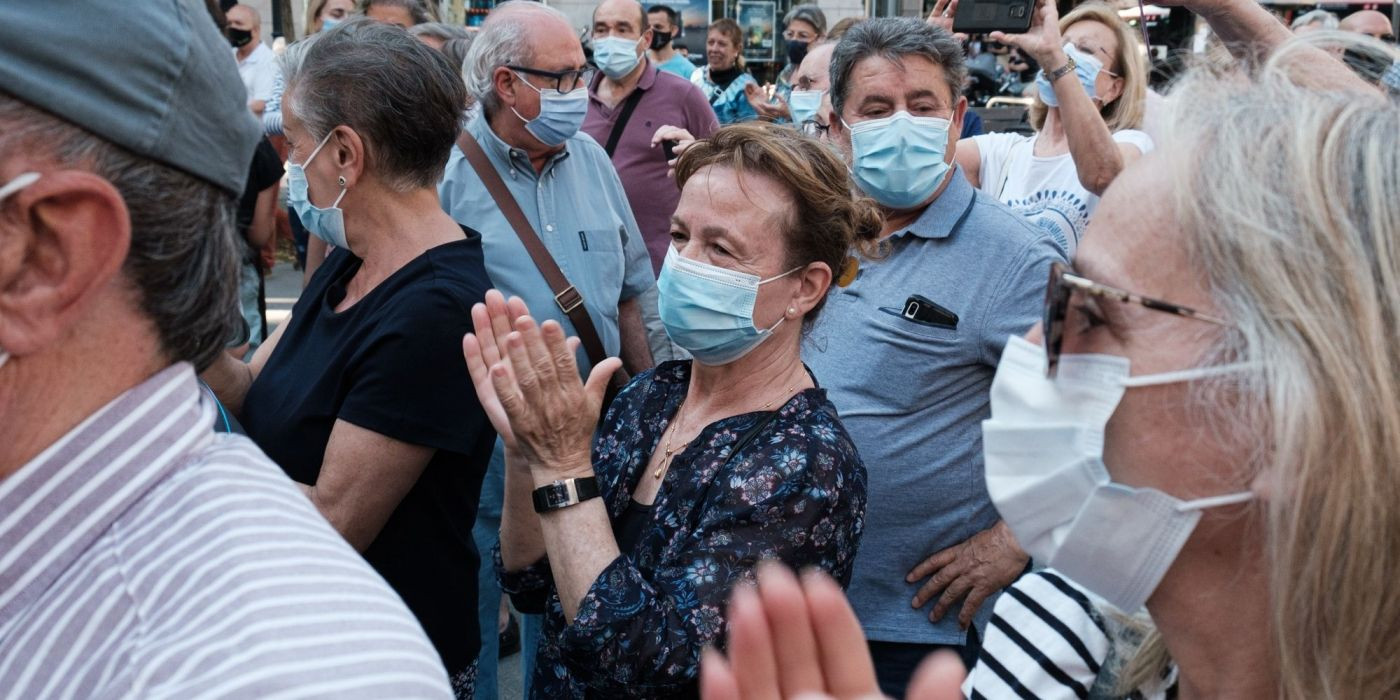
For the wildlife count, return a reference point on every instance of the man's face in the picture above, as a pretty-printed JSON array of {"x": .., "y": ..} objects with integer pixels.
[
  {"x": 880, "y": 87},
  {"x": 241, "y": 17},
  {"x": 659, "y": 22},
  {"x": 618, "y": 18},
  {"x": 556, "y": 49}
]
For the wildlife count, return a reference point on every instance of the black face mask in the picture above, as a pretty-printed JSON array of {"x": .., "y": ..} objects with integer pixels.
[
  {"x": 797, "y": 50},
  {"x": 659, "y": 40},
  {"x": 239, "y": 37}
]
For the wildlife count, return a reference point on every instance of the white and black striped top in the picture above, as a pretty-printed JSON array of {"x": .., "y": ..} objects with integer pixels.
[
  {"x": 143, "y": 556},
  {"x": 1045, "y": 640}
]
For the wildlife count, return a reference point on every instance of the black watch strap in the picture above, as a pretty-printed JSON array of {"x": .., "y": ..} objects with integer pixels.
[{"x": 564, "y": 493}]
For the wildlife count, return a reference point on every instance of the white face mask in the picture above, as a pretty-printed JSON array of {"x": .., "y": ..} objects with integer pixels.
[
  {"x": 20, "y": 182},
  {"x": 1043, "y": 448}
]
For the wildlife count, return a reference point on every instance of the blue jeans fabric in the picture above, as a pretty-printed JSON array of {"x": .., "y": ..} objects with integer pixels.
[
  {"x": 895, "y": 662},
  {"x": 485, "y": 532}
]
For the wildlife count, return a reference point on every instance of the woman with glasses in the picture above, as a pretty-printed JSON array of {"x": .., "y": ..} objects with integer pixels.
[
  {"x": 629, "y": 534},
  {"x": 1089, "y": 104}
]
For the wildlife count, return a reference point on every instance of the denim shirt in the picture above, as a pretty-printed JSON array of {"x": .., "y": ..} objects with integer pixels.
[
  {"x": 795, "y": 492},
  {"x": 730, "y": 104}
]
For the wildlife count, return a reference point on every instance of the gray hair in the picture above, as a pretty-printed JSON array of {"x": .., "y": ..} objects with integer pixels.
[
  {"x": 1322, "y": 17},
  {"x": 420, "y": 10},
  {"x": 809, "y": 13},
  {"x": 502, "y": 41},
  {"x": 402, "y": 97},
  {"x": 184, "y": 260},
  {"x": 894, "y": 38},
  {"x": 439, "y": 30}
]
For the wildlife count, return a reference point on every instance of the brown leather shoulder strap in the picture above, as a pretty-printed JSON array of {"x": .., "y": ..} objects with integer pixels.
[{"x": 569, "y": 299}]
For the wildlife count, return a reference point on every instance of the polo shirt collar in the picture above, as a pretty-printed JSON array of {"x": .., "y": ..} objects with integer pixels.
[
  {"x": 505, "y": 156},
  {"x": 946, "y": 213},
  {"x": 57, "y": 505},
  {"x": 644, "y": 83}
]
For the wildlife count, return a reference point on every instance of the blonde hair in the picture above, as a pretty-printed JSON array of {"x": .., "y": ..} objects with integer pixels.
[
  {"x": 1126, "y": 112},
  {"x": 1286, "y": 199}
]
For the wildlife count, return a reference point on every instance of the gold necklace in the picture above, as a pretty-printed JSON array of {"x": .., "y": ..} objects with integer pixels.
[{"x": 676, "y": 426}]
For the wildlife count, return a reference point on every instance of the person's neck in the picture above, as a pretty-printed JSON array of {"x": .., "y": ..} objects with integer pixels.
[
  {"x": 396, "y": 228},
  {"x": 748, "y": 383},
  {"x": 1051, "y": 139},
  {"x": 511, "y": 129},
  {"x": 663, "y": 54},
  {"x": 247, "y": 50},
  {"x": 1216, "y": 624},
  {"x": 613, "y": 92},
  {"x": 897, "y": 220},
  {"x": 44, "y": 395}
]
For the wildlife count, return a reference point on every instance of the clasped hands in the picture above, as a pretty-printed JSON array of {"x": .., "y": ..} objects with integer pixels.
[{"x": 527, "y": 381}]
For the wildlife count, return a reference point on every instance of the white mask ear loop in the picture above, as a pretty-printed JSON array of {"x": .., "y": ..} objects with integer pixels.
[
  {"x": 782, "y": 318},
  {"x": 1217, "y": 501}
]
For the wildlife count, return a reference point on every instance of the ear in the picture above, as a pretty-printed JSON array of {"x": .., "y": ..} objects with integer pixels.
[
  {"x": 63, "y": 240},
  {"x": 646, "y": 38},
  {"x": 503, "y": 79},
  {"x": 1114, "y": 91},
  {"x": 955, "y": 131},
  {"x": 348, "y": 154},
  {"x": 815, "y": 281}
]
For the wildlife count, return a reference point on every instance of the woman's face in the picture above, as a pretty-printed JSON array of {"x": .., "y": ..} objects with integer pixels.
[
  {"x": 1156, "y": 437},
  {"x": 335, "y": 9},
  {"x": 736, "y": 222},
  {"x": 1095, "y": 39},
  {"x": 720, "y": 51},
  {"x": 390, "y": 14}
]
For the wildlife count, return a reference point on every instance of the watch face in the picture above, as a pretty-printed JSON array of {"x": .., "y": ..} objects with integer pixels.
[{"x": 557, "y": 496}]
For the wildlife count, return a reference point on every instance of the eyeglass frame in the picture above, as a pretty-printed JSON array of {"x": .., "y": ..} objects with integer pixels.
[
  {"x": 1060, "y": 289},
  {"x": 583, "y": 76}
]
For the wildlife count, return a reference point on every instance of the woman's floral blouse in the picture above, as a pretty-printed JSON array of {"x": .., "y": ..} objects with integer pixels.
[{"x": 795, "y": 492}]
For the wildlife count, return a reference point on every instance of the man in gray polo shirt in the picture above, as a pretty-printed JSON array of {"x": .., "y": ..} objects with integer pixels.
[{"x": 908, "y": 349}]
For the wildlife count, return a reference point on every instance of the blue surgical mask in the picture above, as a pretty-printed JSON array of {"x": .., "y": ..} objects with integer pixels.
[
  {"x": 899, "y": 160},
  {"x": 615, "y": 56},
  {"x": 20, "y": 182},
  {"x": 327, "y": 224},
  {"x": 708, "y": 310},
  {"x": 329, "y": 23},
  {"x": 1086, "y": 67},
  {"x": 561, "y": 115},
  {"x": 804, "y": 105}
]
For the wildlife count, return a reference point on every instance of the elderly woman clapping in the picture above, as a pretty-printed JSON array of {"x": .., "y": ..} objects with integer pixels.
[{"x": 630, "y": 539}]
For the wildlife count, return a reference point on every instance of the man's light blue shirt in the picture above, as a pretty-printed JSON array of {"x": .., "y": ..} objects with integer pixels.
[
  {"x": 576, "y": 206},
  {"x": 913, "y": 395},
  {"x": 679, "y": 65}
]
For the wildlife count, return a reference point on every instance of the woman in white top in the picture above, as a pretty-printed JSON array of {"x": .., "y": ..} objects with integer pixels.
[{"x": 1086, "y": 116}]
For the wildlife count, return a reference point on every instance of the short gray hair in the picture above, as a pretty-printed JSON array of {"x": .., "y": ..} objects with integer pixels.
[
  {"x": 185, "y": 257},
  {"x": 501, "y": 42},
  {"x": 441, "y": 31},
  {"x": 894, "y": 38},
  {"x": 402, "y": 97}
]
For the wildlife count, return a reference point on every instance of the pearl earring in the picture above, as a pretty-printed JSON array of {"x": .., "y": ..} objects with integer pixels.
[{"x": 342, "y": 180}]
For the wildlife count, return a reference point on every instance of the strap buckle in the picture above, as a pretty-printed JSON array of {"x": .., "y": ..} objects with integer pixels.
[{"x": 568, "y": 300}]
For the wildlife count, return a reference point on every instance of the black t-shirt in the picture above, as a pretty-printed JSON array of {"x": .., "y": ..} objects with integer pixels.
[
  {"x": 392, "y": 363},
  {"x": 265, "y": 172}
]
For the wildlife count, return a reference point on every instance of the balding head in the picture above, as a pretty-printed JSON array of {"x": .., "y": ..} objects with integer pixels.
[
  {"x": 1368, "y": 22},
  {"x": 630, "y": 11},
  {"x": 519, "y": 33},
  {"x": 243, "y": 17}
]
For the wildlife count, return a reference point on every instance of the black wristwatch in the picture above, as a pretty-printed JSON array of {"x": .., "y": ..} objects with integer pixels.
[{"x": 564, "y": 493}]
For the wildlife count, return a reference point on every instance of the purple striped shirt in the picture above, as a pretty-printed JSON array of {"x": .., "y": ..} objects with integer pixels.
[{"x": 141, "y": 555}]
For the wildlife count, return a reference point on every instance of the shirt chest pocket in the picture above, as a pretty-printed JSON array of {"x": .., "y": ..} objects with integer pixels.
[{"x": 599, "y": 241}]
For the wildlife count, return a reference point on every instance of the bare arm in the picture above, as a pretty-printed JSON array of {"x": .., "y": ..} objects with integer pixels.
[
  {"x": 230, "y": 377},
  {"x": 364, "y": 476},
  {"x": 969, "y": 158},
  {"x": 636, "y": 352},
  {"x": 264, "y": 224},
  {"x": 522, "y": 541}
]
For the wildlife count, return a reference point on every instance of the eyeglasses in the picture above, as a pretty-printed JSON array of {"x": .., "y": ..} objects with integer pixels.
[
  {"x": 1064, "y": 283},
  {"x": 813, "y": 129},
  {"x": 565, "y": 81}
]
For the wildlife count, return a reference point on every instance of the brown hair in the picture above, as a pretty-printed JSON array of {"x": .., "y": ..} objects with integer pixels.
[
  {"x": 828, "y": 220},
  {"x": 1126, "y": 112},
  {"x": 731, "y": 31}
]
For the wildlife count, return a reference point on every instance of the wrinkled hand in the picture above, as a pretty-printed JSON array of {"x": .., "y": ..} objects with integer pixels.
[
  {"x": 986, "y": 563},
  {"x": 758, "y": 99},
  {"x": 1042, "y": 41},
  {"x": 531, "y": 389},
  {"x": 791, "y": 639}
]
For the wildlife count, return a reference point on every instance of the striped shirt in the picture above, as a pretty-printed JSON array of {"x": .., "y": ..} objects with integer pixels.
[
  {"x": 1048, "y": 640},
  {"x": 141, "y": 555}
]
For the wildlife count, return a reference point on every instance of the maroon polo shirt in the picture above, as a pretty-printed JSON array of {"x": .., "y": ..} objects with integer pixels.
[{"x": 666, "y": 100}]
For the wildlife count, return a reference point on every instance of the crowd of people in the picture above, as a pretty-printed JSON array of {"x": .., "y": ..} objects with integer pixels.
[{"x": 734, "y": 391}]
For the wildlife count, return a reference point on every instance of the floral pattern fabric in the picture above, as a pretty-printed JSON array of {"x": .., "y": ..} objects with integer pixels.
[{"x": 794, "y": 492}]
